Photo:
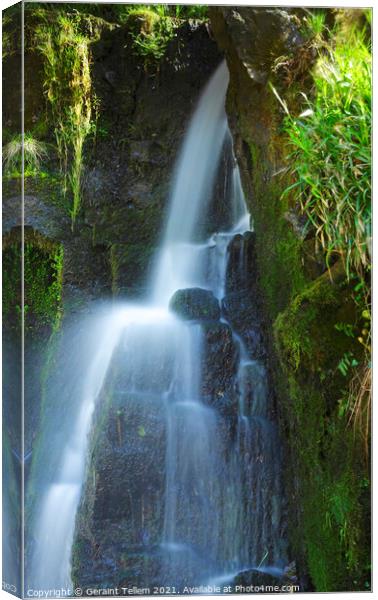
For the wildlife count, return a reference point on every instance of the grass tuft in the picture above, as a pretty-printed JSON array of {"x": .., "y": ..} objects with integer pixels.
[
  {"x": 34, "y": 153},
  {"x": 331, "y": 154}
]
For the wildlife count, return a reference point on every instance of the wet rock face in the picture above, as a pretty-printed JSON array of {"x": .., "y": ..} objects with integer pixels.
[
  {"x": 121, "y": 518},
  {"x": 288, "y": 262},
  {"x": 241, "y": 305},
  {"x": 195, "y": 304},
  {"x": 127, "y": 165},
  {"x": 219, "y": 367},
  {"x": 241, "y": 268}
]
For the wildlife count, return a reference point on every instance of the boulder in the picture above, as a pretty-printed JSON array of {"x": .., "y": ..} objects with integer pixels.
[{"x": 195, "y": 304}]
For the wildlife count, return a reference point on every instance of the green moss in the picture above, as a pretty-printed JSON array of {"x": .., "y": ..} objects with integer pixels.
[
  {"x": 325, "y": 469},
  {"x": 333, "y": 490},
  {"x": 43, "y": 285},
  {"x": 11, "y": 31},
  {"x": 278, "y": 249},
  {"x": 43, "y": 267},
  {"x": 328, "y": 524},
  {"x": 11, "y": 291},
  {"x": 327, "y": 455},
  {"x": 151, "y": 32},
  {"x": 306, "y": 332}
]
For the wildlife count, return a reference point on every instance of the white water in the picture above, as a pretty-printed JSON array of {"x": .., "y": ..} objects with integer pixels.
[
  {"x": 180, "y": 262},
  {"x": 212, "y": 525},
  {"x": 54, "y": 528}
]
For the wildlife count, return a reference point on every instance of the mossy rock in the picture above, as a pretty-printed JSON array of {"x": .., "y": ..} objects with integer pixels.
[
  {"x": 327, "y": 452},
  {"x": 306, "y": 333}
]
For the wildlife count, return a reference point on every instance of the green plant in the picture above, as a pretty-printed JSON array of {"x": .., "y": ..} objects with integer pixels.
[
  {"x": 346, "y": 363},
  {"x": 346, "y": 328},
  {"x": 190, "y": 11},
  {"x": 331, "y": 168},
  {"x": 314, "y": 24},
  {"x": 34, "y": 152},
  {"x": 331, "y": 153},
  {"x": 151, "y": 30},
  {"x": 152, "y": 26},
  {"x": 69, "y": 92},
  {"x": 42, "y": 275}
]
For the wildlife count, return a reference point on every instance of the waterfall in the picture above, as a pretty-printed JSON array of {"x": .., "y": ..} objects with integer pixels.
[
  {"x": 222, "y": 492},
  {"x": 180, "y": 260},
  {"x": 54, "y": 527}
]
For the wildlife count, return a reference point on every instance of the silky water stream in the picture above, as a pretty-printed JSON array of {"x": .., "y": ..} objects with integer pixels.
[{"x": 222, "y": 504}]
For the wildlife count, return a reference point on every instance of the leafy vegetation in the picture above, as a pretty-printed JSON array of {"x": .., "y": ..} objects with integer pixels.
[
  {"x": 330, "y": 155},
  {"x": 118, "y": 13},
  {"x": 43, "y": 268},
  {"x": 150, "y": 32},
  {"x": 311, "y": 335},
  {"x": 322, "y": 324},
  {"x": 178, "y": 11},
  {"x": 69, "y": 92},
  {"x": 152, "y": 26},
  {"x": 314, "y": 24}
]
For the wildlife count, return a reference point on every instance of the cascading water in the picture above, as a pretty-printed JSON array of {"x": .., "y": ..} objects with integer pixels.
[
  {"x": 222, "y": 492},
  {"x": 180, "y": 261}
]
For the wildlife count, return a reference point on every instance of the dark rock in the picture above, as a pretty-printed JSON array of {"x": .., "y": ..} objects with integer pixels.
[
  {"x": 39, "y": 215},
  {"x": 220, "y": 356},
  {"x": 131, "y": 265},
  {"x": 300, "y": 225},
  {"x": 259, "y": 35},
  {"x": 242, "y": 310},
  {"x": 253, "y": 338},
  {"x": 126, "y": 169},
  {"x": 145, "y": 116},
  {"x": 265, "y": 580},
  {"x": 133, "y": 450},
  {"x": 314, "y": 262},
  {"x": 239, "y": 308},
  {"x": 195, "y": 304},
  {"x": 241, "y": 267}
]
